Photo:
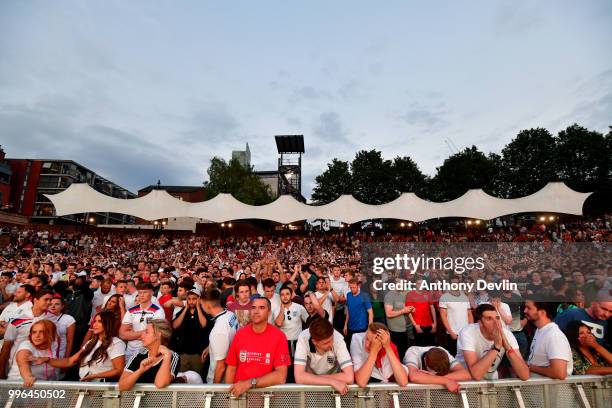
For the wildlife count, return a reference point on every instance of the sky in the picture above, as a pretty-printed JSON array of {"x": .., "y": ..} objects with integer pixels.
[{"x": 142, "y": 91}]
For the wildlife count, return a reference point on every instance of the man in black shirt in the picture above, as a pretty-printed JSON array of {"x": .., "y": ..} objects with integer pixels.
[{"x": 191, "y": 332}]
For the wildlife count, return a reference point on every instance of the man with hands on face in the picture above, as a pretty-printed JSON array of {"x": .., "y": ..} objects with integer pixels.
[
  {"x": 482, "y": 345},
  {"x": 434, "y": 365},
  {"x": 375, "y": 357}
]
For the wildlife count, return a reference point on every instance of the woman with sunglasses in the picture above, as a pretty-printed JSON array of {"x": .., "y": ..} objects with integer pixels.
[{"x": 103, "y": 356}]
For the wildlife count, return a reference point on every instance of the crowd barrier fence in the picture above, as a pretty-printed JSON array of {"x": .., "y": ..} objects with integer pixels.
[{"x": 576, "y": 391}]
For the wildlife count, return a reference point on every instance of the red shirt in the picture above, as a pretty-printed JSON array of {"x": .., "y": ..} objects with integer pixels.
[
  {"x": 421, "y": 303},
  {"x": 256, "y": 354},
  {"x": 167, "y": 310}
]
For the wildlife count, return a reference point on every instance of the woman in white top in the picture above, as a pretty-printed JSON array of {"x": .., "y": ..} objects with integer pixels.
[
  {"x": 102, "y": 358},
  {"x": 41, "y": 345},
  {"x": 65, "y": 325}
]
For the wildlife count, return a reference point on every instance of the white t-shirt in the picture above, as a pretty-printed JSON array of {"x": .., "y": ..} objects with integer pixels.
[
  {"x": 330, "y": 362},
  {"x": 137, "y": 318},
  {"x": 221, "y": 335},
  {"x": 18, "y": 330},
  {"x": 294, "y": 317},
  {"x": 275, "y": 303},
  {"x": 11, "y": 288},
  {"x": 42, "y": 372},
  {"x": 99, "y": 299},
  {"x": 130, "y": 300},
  {"x": 457, "y": 308},
  {"x": 414, "y": 356},
  {"x": 341, "y": 287},
  {"x": 116, "y": 349},
  {"x": 12, "y": 311},
  {"x": 62, "y": 322},
  {"x": 360, "y": 356},
  {"x": 326, "y": 304},
  {"x": 471, "y": 339},
  {"x": 549, "y": 343}
]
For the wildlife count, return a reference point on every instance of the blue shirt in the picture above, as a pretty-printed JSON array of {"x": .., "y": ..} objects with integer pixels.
[
  {"x": 358, "y": 307},
  {"x": 598, "y": 327}
]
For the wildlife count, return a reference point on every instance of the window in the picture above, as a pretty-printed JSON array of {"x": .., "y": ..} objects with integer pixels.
[
  {"x": 48, "y": 182},
  {"x": 43, "y": 210}
]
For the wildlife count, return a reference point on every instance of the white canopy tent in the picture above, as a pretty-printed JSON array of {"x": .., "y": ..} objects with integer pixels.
[{"x": 554, "y": 197}]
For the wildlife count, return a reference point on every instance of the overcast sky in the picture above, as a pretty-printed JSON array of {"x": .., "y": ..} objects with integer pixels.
[{"x": 146, "y": 90}]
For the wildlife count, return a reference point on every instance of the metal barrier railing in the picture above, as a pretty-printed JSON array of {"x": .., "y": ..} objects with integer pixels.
[{"x": 577, "y": 391}]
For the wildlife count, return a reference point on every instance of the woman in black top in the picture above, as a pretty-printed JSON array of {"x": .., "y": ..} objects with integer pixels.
[{"x": 155, "y": 362}]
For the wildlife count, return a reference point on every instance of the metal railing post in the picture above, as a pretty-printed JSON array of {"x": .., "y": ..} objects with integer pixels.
[
  {"x": 337, "y": 400},
  {"x": 208, "y": 400},
  {"x": 488, "y": 397},
  {"x": 366, "y": 400},
  {"x": 519, "y": 397},
  {"x": 583, "y": 397},
  {"x": 112, "y": 399},
  {"x": 599, "y": 390},
  {"x": 240, "y": 402},
  {"x": 81, "y": 397},
  {"x": 137, "y": 398},
  {"x": 464, "y": 399}
]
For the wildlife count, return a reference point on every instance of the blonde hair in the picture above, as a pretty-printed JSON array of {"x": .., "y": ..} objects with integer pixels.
[{"x": 163, "y": 328}]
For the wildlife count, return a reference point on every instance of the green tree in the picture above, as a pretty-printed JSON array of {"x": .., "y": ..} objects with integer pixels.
[
  {"x": 237, "y": 180},
  {"x": 584, "y": 164},
  {"x": 462, "y": 171},
  {"x": 373, "y": 179},
  {"x": 527, "y": 163},
  {"x": 333, "y": 182},
  {"x": 583, "y": 158},
  {"x": 408, "y": 177}
]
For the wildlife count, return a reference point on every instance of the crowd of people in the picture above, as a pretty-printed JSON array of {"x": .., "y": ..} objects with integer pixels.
[{"x": 260, "y": 311}]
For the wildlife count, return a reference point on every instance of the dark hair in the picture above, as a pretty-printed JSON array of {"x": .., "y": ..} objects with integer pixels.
[
  {"x": 266, "y": 299},
  {"x": 321, "y": 329},
  {"x": 111, "y": 330},
  {"x": 99, "y": 278},
  {"x": 572, "y": 330},
  {"x": 41, "y": 293},
  {"x": 286, "y": 285},
  {"x": 228, "y": 280},
  {"x": 186, "y": 285},
  {"x": 29, "y": 288},
  {"x": 144, "y": 286},
  {"x": 548, "y": 308},
  {"x": 436, "y": 359},
  {"x": 485, "y": 307},
  {"x": 241, "y": 283},
  {"x": 212, "y": 295},
  {"x": 252, "y": 281},
  {"x": 268, "y": 283},
  {"x": 167, "y": 282}
]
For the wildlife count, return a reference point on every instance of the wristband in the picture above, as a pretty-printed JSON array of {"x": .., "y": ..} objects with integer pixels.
[
  {"x": 510, "y": 351},
  {"x": 495, "y": 348}
]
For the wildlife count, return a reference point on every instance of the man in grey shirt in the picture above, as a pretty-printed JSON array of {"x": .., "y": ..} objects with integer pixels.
[{"x": 397, "y": 319}]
